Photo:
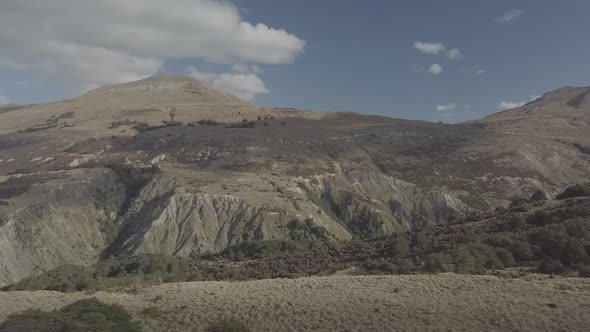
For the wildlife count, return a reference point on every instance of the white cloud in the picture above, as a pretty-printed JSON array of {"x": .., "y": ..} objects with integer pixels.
[
  {"x": 88, "y": 43},
  {"x": 508, "y": 105},
  {"x": 246, "y": 69},
  {"x": 454, "y": 54},
  {"x": 4, "y": 100},
  {"x": 480, "y": 72},
  {"x": 438, "y": 48},
  {"x": 510, "y": 16},
  {"x": 448, "y": 108},
  {"x": 241, "y": 84},
  {"x": 435, "y": 69},
  {"x": 466, "y": 107},
  {"x": 430, "y": 48}
]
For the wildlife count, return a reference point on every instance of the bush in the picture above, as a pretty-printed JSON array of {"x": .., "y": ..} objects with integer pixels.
[
  {"x": 227, "y": 325},
  {"x": 518, "y": 223},
  {"x": 207, "y": 122},
  {"x": 464, "y": 261},
  {"x": 142, "y": 127},
  {"x": 83, "y": 315},
  {"x": 244, "y": 124},
  {"x": 551, "y": 243},
  {"x": 539, "y": 196},
  {"x": 494, "y": 264},
  {"x": 573, "y": 252},
  {"x": 400, "y": 247},
  {"x": 540, "y": 218},
  {"x": 505, "y": 257},
  {"x": 421, "y": 240},
  {"x": 577, "y": 190},
  {"x": 380, "y": 266},
  {"x": 550, "y": 266},
  {"x": 584, "y": 271},
  {"x": 403, "y": 265},
  {"x": 437, "y": 263}
]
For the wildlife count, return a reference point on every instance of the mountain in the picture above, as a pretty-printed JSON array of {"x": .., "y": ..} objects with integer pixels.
[
  {"x": 562, "y": 114},
  {"x": 110, "y": 173}
]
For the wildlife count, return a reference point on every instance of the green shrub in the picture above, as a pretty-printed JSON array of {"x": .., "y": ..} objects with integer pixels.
[
  {"x": 380, "y": 266},
  {"x": 584, "y": 271},
  {"x": 521, "y": 250},
  {"x": 142, "y": 127},
  {"x": 400, "y": 247},
  {"x": 403, "y": 265},
  {"x": 518, "y": 223},
  {"x": 551, "y": 242},
  {"x": 577, "y": 190},
  {"x": 437, "y": 262},
  {"x": 421, "y": 241},
  {"x": 550, "y": 266},
  {"x": 84, "y": 315},
  {"x": 573, "y": 252},
  {"x": 505, "y": 257},
  {"x": 540, "y": 218},
  {"x": 227, "y": 325},
  {"x": 494, "y": 263},
  {"x": 539, "y": 196},
  {"x": 464, "y": 261}
]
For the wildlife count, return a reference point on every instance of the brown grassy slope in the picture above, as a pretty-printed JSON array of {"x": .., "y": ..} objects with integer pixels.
[{"x": 377, "y": 303}]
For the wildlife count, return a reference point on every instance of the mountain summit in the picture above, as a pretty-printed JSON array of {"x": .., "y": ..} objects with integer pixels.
[{"x": 167, "y": 86}]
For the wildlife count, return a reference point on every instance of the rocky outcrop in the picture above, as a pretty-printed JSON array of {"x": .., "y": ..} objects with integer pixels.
[
  {"x": 67, "y": 219},
  {"x": 371, "y": 204},
  {"x": 82, "y": 215}
]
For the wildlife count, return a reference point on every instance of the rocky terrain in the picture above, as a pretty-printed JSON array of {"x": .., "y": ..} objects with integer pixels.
[{"x": 170, "y": 165}]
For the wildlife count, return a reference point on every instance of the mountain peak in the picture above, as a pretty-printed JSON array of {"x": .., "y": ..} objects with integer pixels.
[{"x": 167, "y": 86}]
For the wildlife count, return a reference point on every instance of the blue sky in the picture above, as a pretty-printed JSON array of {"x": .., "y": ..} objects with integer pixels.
[{"x": 361, "y": 56}]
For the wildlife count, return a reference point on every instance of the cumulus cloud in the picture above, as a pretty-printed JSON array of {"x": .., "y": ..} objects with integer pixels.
[
  {"x": 242, "y": 83},
  {"x": 435, "y": 69},
  {"x": 510, "y": 16},
  {"x": 508, "y": 105},
  {"x": 438, "y": 49},
  {"x": 4, "y": 100},
  {"x": 430, "y": 48},
  {"x": 90, "y": 43},
  {"x": 448, "y": 108},
  {"x": 454, "y": 54}
]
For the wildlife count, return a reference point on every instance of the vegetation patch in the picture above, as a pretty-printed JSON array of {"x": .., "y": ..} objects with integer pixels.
[
  {"x": 52, "y": 122},
  {"x": 84, "y": 315},
  {"x": 552, "y": 240},
  {"x": 577, "y": 190}
]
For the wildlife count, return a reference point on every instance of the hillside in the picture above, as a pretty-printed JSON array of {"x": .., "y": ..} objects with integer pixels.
[
  {"x": 562, "y": 114},
  {"x": 102, "y": 175}
]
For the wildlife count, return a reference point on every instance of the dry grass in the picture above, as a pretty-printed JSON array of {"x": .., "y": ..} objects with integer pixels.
[{"x": 379, "y": 303}]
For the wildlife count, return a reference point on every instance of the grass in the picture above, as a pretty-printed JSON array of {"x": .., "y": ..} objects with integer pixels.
[{"x": 227, "y": 325}]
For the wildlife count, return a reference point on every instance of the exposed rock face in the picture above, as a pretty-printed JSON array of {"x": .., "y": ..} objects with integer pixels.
[
  {"x": 172, "y": 220},
  {"x": 81, "y": 215},
  {"x": 67, "y": 220}
]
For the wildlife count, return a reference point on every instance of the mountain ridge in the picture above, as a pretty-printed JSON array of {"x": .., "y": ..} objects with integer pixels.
[{"x": 221, "y": 174}]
